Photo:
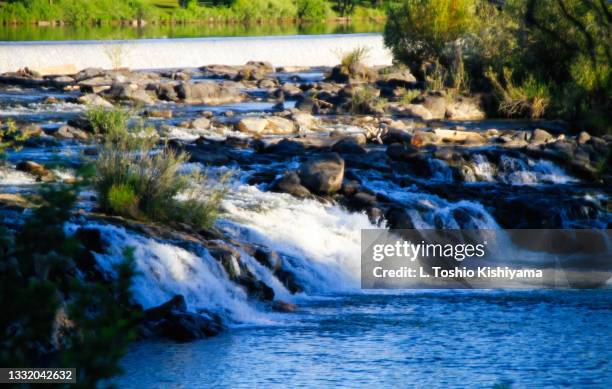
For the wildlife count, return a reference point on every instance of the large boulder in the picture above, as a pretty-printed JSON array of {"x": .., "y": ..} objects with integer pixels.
[
  {"x": 324, "y": 174},
  {"x": 461, "y": 137},
  {"x": 414, "y": 110},
  {"x": 396, "y": 77}
]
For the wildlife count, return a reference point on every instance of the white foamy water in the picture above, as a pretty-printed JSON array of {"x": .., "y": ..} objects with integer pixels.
[
  {"x": 515, "y": 171},
  {"x": 322, "y": 241},
  {"x": 296, "y": 50},
  {"x": 166, "y": 270},
  {"x": 11, "y": 177}
]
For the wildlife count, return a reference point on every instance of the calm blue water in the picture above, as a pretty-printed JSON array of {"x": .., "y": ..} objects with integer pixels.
[{"x": 436, "y": 339}]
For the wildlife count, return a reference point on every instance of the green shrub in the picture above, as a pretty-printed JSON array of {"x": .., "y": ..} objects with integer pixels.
[
  {"x": 136, "y": 179},
  {"x": 366, "y": 100},
  {"x": 417, "y": 31},
  {"x": 313, "y": 9},
  {"x": 108, "y": 121}
]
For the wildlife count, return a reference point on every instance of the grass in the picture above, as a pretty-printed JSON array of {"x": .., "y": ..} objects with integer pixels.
[
  {"x": 366, "y": 101},
  {"x": 529, "y": 99},
  {"x": 408, "y": 95},
  {"x": 139, "y": 180},
  {"x": 354, "y": 58}
]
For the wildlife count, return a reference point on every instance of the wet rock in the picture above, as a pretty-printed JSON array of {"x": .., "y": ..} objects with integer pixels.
[
  {"x": 94, "y": 100},
  {"x": 323, "y": 175},
  {"x": 394, "y": 135},
  {"x": 290, "y": 183},
  {"x": 35, "y": 169},
  {"x": 268, "y": 258},
  {"x": 283, "y": 306},
  {"x": 541, "y": 136},
  {"x": 257, "y": 289},
  {"x": 283, "y": 147},
  {"x": 307, "y": 104},
  {"x": 400, "y": 152},
  {"x": 254, "y": 70},
  {"x": 348, "y": 145},
  {"x": 91, "y": 239},
  {"x": 187, "y": 326},
  {"x": 131, "y": 92},
  {"x": 398, "y": 218}
]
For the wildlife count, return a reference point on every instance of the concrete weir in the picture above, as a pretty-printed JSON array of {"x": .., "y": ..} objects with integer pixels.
[{"x": 292, "y": 50}]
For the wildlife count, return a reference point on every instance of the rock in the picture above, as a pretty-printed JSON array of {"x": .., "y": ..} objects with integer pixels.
[
  {"x": 423, "y": 138},
  {"x": 541, "y": 136},
  {"x": 89, "y": 73},
  {"x": 268, "y": 258},
  {"x": 462, "y": 137},
  {"x": 414, "y": 110},
  {"x": 348, "y": 145},
  {"x": 257, "y": 289},
  {"x": 253, "y": 125},
  {"x": 583, "y": 137},
  {"x": 436, "y": 105},
  {"x": 397, "y": 78},
  {"x": 36, "y": 170},
  {"x": 99, "y": 81},
  {"x": 91, "y": 239},
  {"x": 304, "y": 120},
  {"x": 284, "y": 147},
  {"x": 361, "y": 200},
  {"x": 172, "y": 321},
  {"x": 208, "y": 93},
  {"x": 69, "y": 132},
  {"x": 94, "y": 100},
  {"x": 290, "y": 183},
  {"x": 464, "y": 109},
  {"x": 187, "y": 326},
  {"x": 401, "y": 152},
  {"x": 166, "y": 91},
  {"x": 267, "y": 83},
  {"x": 279, "y": 125},
  {"x": 201, "y": 123},
  {"x": 356, "y": 72},
  {"x": 394, "y": 135},
  {"x": 157, "y": 113},
  {"x": 283, "y": 306},
  {"x": 398, "y": 218},
  {"x": 323, "y": 175},
  {"x": 264, "y": 126},
  {"x": 132, "y": 92}
]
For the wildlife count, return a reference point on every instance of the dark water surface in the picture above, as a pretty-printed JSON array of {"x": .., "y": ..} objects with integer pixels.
[{"x": 436, "y": 339}]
